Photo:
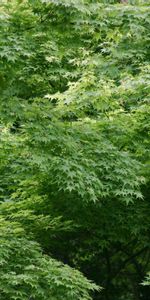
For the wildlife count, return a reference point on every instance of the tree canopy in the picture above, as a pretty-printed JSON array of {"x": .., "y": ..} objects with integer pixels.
[{"x": 75, "y": 149}]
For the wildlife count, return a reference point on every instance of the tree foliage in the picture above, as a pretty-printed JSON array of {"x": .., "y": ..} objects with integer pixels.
[{"x": 74, "y": 82}]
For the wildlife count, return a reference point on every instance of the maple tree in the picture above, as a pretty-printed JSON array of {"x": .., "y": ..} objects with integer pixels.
[{"x": 74, "y": 81}]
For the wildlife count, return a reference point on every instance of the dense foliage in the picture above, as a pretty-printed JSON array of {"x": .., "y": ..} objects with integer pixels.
[{"x": 74, "y": 168}]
